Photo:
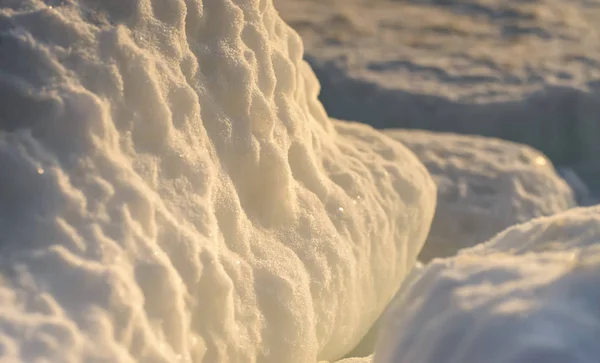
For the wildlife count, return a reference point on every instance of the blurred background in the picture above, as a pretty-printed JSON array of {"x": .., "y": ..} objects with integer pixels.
[{"x": 520, "y": 70}]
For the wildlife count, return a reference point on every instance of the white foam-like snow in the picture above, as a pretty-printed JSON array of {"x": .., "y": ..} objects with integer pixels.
[
  {"x": 528, "y": 295},
  {"x": 172, "y": 190},
  {"x": 484, "y": 186}
]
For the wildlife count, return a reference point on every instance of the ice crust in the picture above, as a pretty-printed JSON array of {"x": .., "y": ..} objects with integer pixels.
[
  {"x": 172, "y": 190},
  {"x": 529, "y": 295},
  {"x": 484, "y": 186}
]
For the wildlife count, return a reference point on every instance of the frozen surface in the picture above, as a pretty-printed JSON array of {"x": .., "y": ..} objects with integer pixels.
[
  {"x": 172, "y": 190},
  {"x": 484, "y": 186},
  {"x": 526, "y": 71},
  {"x": 530, "y": 295}
]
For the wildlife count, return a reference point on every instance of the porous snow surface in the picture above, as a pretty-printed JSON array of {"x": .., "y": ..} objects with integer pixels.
[
  {"x": 529, "y": 295},
  {"x": 484, "y": 186},
  {"x": 172, "y": 190}
]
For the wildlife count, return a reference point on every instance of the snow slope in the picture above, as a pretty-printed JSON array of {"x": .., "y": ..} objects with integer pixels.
[
  {"x": 526, "y": 71},
  {"x": 528, "y": 295},
  {"x": 484, "y": 186},
  {"x": 171, "y": 190}
]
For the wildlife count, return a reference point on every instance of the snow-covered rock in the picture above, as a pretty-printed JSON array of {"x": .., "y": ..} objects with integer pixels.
[
  {"x": 529, "y": 295},
  {"x": 484, "y": 186},
  {"x": 171, "y": 190}
]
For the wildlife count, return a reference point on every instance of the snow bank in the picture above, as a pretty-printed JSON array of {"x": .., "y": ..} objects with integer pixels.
[
  {"x": 528, "y": 295},
  {"x": 171, "y": 190},
  {"x": 484, "y": 186}
]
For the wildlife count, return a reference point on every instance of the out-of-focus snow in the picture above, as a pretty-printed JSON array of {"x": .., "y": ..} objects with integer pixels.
[
  {"x": 368, "y": 359},
  {"x": 484, "y": 186},
  {"x": 529, "y": 295},
  {"x": 581, "y": 190},
  {"x": 172, "y": 190},
  {"x": 526, "y": 71}
]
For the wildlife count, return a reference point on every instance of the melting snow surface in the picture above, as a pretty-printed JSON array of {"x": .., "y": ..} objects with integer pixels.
[
  {"x": 484, "y": 186},
  {"x": 172, "y": 190},
  {"x": 529, "y": 295}
]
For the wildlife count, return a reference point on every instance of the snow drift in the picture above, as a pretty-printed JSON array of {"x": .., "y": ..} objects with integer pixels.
[
  {"x": 528, "y": 295},
  {"x": 484, "y": 186},
  {"x": 172, "y": 190}
]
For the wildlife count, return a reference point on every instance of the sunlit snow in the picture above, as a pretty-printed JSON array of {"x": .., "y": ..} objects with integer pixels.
[
  {"x": 172, "y": 190},
  {"x": 529, "y": 295},
  {"x": 484, "y": 186}
]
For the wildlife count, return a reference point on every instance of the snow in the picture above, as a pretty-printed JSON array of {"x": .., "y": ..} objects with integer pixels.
[
  {"x": 525, "y": 71},
  {"x": 172, "y": 190},
  {"x": 368, "y": 359},
  {"x": 484, "y": 186},
  {"x": 581, "y": 191},
  {"x": 528, "y": 295}
]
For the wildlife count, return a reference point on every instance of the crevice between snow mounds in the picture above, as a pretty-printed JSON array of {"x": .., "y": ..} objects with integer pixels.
[{"x": 562, "y": 122}]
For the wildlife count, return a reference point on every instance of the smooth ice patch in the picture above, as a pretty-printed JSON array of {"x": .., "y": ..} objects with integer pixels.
[{"x": 172, "y": 190}]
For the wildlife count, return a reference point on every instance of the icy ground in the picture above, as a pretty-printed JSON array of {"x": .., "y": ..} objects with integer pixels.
[{"x": 526, "y": 71}]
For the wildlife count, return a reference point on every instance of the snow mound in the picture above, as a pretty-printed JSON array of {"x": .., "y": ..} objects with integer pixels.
[
  {"x": 484, "y": 186},
  {"x": 172, "y": 190},
  {"x": 528, "y": 295}
]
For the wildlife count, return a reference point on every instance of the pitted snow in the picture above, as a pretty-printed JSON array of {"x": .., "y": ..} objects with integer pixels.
[{"x": 171, "y": 190}]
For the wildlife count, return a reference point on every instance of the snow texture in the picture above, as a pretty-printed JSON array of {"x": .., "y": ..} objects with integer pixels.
[
  {"x": 171, "y": 190},
  {"x": 484, "y": 186},
  {"x": 529, "y": 295},
  {"x": 525, "y": 71}
]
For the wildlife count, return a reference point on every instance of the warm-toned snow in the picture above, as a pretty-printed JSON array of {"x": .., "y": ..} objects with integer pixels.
[
  {"x": 526, "y": 71},
  {"x": 484, "y": 186},
  {"x": 529, "y": 295},
  {"x": 171, "y": 190}
]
